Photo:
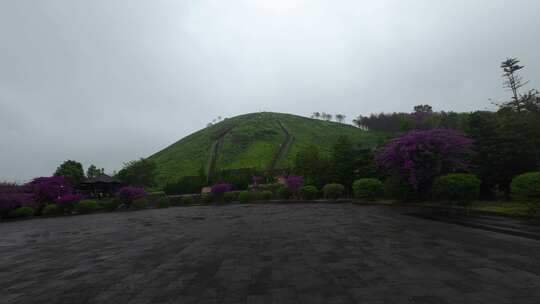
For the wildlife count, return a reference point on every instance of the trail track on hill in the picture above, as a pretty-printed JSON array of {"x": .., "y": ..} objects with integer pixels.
[{"x": 284, "y": 147}]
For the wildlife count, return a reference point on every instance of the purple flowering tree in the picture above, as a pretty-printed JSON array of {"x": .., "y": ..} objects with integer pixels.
[
  {"x": 418, "y": 157},
  {"x": 48, "y": 189},
  {"x": 129, "y": 194}
]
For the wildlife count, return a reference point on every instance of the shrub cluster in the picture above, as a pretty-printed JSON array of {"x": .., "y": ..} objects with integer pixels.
[
  {"x": 140, "y": 203},
  {"x": 459, "y": 188},
  {"x": 231, "y": 196},
  {"x": 22, "y": 212},
  {"x": 245, "y": 197},
  {"x": 284, "y": 193},
  {"x": 51, "y": 209},
  {"x": 266, "y": 195},
  {"x": 368, "y": 188},
  {"x": 526, "y": 187},
  {"x": 333, "y": 191},
  {"x": 86, "y": 206},
  {"x": 309, "y": 192}
]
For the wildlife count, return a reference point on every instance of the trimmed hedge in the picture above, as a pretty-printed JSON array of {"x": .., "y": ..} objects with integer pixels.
[
  {"x": 244, "y": 197},
  {"x": 333, "y": 191},
  {"x": 368, "y": 188},
  {"x": 284, "y": 193},
  {"x": 162, "y": 202},
  {"x": 206, "y": 198},
  {"x": 109, "y": 204},
  {"x": 52, "y": 209},
  {"x": 266, "y": 195},
  {"x": 22, "y": 212},
  {"x": 140, "y": 203},
  {"x": 459, "y": 188},
  {"x": 86, "y": 206},
  {"x": 231, "y": 196},
  {"x": 309, "y": 192},
  {"x": 186, "y": 200},
  {"x": 526, "y": 187}
]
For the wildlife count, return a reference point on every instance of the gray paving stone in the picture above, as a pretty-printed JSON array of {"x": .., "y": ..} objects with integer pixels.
[{"x": 268, "y": 253}]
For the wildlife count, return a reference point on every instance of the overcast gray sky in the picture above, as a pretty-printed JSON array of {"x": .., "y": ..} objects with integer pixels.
[{"x": 108, "y": 81}]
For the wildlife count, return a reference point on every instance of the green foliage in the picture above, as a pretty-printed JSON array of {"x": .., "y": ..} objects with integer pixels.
[
  {"x": 93, "y": 172},
  {"x": 186, "y": 200},
  {"x": 309, "y": 192},
  {"x": 343, "y": 161},
  {"x": 231, "y": 196},
  {"x": 185, "y": 185},
  {"x": 162, "y": 202},
  {"x": 72, "y": 171},
  {"x": 86, "y": 206},
  {"x": 310, "y": 164},
  {"x": 109, "y": 204},
  {"x": 206, "y": 198},
  {"x": 266, "y": 195},
  {"x": 22, "y": 212},
  {"x": 526, "y": 187},
  {"x": 395, "y": 188},
  {"x": 284, "y": 193},
  {"x": 245, "y": 197},
  {"x": 139, "y": 173},
  {"x": 459, "y": 188},
  {"x": 140, "y": 203},
  {"x": 52, "y": 209},
  {"x": 333, "y": 191},
  {"x": 368, "y": 188}
]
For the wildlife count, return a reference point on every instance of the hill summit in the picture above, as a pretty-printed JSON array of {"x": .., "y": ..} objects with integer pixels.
[{"x": 262, "y": 141}]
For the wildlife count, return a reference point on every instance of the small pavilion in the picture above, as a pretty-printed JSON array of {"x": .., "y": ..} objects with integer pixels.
[{"x": 100, "y": 186}]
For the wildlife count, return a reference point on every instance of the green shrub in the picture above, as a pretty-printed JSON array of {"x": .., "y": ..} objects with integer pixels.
[
  {"x": 395, "y": 188},
  {"x": 309, "y": 192},
  {"x": 109, "y": 204},
  {"x": 206, "y": 198},
  {"x": 266, "y": 195},
  {"x": 284, "y": 193},
  {"x": 333, "y": 191},
  {"x": 368, "y": 188},
  {"x": 245, "y": 197},
  {"x": 186, "y": 200},
  {"x": 22, "y": 212},
  {"x": 86, "y": 206},
  {"x": 140, "y": 203},
  {"x": 231, "y": 196},
  {"x": 459, "y": 188},
  {"x": 162, "y": 202},
  {"x": 526, "y": 187},
  {"x": 52, "y": 209}
]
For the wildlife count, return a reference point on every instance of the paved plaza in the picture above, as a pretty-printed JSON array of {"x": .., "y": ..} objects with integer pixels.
[{"x": 263, "y": 253}]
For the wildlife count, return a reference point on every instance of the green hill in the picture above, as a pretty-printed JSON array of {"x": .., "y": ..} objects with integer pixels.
[{"x": 257, "y": 140}]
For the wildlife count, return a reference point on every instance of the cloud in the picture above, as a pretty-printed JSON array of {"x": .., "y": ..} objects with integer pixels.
[{"x": 105, "y": 81}]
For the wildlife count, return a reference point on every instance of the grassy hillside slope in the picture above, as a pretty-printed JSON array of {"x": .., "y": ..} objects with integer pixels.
[{"x": 252, "y": 141}]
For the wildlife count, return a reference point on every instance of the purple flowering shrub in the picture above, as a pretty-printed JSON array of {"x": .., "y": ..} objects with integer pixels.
[
  {"x": 418, "y": 157},
  {"x": 294, "y": 183},
  {"x": 13, "y": 196},
  {"x": 129, "y": 194},
  {"x": 48, "y": 189},
  {"x": 220, "y": 189}
]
